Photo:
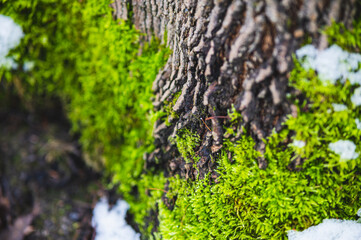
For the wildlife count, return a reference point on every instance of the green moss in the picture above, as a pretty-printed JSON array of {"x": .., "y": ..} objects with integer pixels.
[
  {"x": 92, "y": 62},
  {"x": 250, "y": 203},
  {"x": 349, "y": 39},
  {"x": 320, "y": 124},
  {"x": 143, "y": 203},
  {"x": 186, "y": 142},
  {"x": 234, "y": 115},
  {"x": 168, "y": 108}
]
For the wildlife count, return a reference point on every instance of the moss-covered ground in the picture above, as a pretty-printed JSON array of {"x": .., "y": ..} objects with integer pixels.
[
  {"x": 301, "y": 185},
  {"x": 103, "y": 74}
]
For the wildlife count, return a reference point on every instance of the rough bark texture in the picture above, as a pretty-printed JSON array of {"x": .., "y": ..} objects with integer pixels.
[{"x": 227, "y": 52}]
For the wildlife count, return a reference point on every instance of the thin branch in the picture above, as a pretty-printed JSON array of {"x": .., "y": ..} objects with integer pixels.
[
  {"x": 209, "y": 118},
  {"x": 206, "y": 124}
]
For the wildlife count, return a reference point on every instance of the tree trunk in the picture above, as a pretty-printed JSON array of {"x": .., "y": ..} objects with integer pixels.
[{"x": 227, "y": 52}]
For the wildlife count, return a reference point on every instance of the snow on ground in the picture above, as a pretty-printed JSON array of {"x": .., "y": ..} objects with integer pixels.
[
  {"x": 356, "y": 97},
  {"x": 334, "y": 64},
  {"x": 28, "y": 66},
  {"x": 10, "y": 36},
  {"x": 329, "y": 229},
  {"x": 110, "y": 224},
  {"x": 339, "y": 107},
  {"x": 358, "y": 123},
  {"x": 331, "y": 64},
  {"x": 344, "y": 148},
  {"x": 298, "y": 143}
]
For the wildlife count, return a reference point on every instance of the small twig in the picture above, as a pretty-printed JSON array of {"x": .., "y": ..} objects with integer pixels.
[
  {"x": 157, "y": 189},
  {"x": 206, "y": 124},
  {"x": 209, "y": 118},
  {"x": 181, "y": 224}
]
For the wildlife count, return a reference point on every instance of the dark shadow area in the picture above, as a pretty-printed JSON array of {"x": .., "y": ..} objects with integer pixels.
[{"x": 46, "y": 190}]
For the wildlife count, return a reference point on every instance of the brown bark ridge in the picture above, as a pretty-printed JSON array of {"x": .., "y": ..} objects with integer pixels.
[{"x": 227, "y": 52}]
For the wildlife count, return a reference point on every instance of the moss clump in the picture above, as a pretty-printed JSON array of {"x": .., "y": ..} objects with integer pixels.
[
  {"x": 321, "y": 124},
  {"x": 168, "y": 108},
  {"x": 250, "y": 203},
  {"x": 186, "y": 142},
  {"x": 349, "y": 39},
  {"x": 92, "y": 63}
]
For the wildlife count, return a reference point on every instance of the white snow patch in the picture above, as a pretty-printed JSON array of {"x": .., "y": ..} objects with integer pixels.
[
  {"x": 298, "y": 143},
  {"x": 329, "y": 229},
  {"x": 308, "y": 51},
  {"x": 358, "y": 123},
  {"x": 331, "y": 64},
  {"x": 339, "y": 107},
  {"x": 8, "y": 63},
  {"x": 344, "y": 148},
  {"x": 10, "y": 36},
  {"x": 110, "y": 224},
  {"x": 356, "y": 97},
  {"x": 28, "y": 66},
  {"x": 359, "y": 212}
]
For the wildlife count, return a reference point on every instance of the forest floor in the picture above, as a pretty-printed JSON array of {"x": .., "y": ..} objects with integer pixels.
[{"x": 46, "y": 190}]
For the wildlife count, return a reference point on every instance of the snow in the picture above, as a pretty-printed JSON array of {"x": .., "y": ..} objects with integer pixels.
[
  {"x": 331, "y": 64},
  {"x": 110, "y": 224},
  {"x": 358, "y": 123},
  {"x": 299, "y": 143},
  {"x": 10, "y": 36},
  {"x": 28, "y": 66},
  {"x": 308, "y": 51},
  {"x": 356, "y": 97},
  {"x": 344, "y": 148},
  {"x": 339, "y": 107},
  {"x": 8, "y": 63},
  {"x": 329, "y": 229}
]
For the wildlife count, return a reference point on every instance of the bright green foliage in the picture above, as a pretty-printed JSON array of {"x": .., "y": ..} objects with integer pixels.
[
  {"x": 250, "y": 203},
  {"x": 186, "y": 142},
  {"x": 92, "y": 62},
  {"x": 44, "y": 29},
  {"x": 234, "y": 115},
  {"x": 320, "y": 124},
  {"x": 349, "y": 39},
  {"x": 143, "y": 203},
  {"x": 205, "y": 211}
]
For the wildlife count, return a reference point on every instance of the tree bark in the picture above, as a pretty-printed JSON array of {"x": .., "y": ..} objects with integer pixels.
[{"x": 227, "y": 52}]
